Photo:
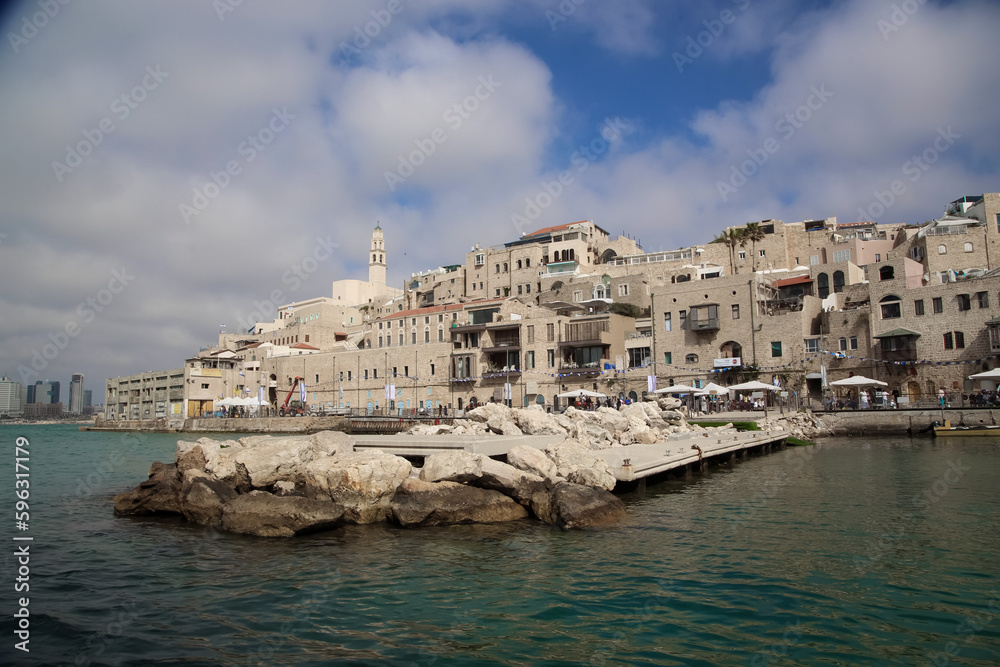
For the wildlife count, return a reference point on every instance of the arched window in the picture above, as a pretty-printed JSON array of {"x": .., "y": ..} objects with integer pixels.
[
  {"x": 519, "y": 264},
  {"x": 691, "y": 359},
  {"x": 373, "y": 257},
  {"x": 572, "y": 255},
  {"x": 555, "y": 256},
  {"x": 942, "y": 249},
  {"x": 886, "y": 273},
  {"x": 968, "y": 247},
  {"x": 891, "y": 307},
  {"x": 823, "y": 285},
  {"x": 838, "y": 281}
]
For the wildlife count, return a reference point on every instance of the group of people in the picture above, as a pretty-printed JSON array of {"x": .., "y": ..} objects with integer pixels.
[{"x": 867, "y": 399}]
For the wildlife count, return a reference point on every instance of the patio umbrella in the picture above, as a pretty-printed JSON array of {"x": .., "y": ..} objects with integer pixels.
[
  {"x": 987, "y": 375},
  {"x": 712, "y": 389},
  {"x": 580, "y": 393},
  {"x": 753, "y": 385},
  {"x": 676, "y": 389},
  {"x": 858, "y": 381}
]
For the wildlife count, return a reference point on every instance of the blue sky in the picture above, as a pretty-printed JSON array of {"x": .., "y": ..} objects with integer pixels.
[{"x": 823, "y": 104}]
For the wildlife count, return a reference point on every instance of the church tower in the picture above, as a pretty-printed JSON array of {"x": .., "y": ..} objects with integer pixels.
[{"x": 376, "y": 264}]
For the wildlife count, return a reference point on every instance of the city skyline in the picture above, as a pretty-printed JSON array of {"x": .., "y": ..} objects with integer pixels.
[{"x": 204, "y": 190}]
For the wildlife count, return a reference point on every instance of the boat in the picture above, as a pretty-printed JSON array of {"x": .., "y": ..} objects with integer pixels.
[{"x": 965, "y": 431}]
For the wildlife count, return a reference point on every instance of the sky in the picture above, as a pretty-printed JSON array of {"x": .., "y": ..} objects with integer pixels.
[{"x": 171, "y": 166}]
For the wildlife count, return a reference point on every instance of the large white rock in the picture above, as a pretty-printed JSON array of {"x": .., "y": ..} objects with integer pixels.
[
  {"x": 272, "y": 459},
  {"x": 570, "y": 457},
  {"x": 363, "y": 482},
  {"x": 214, "y": 457},
  {"x": 454, "y": 466},
  {"x": 484, "y": 412},
  {"x": 531, "y": 460},
  {"x": 535, "y": 421},
  {"x": 611, "y": 419},
  {"x": 505, "y": 478},
  {"x": 502, "y": 425}
]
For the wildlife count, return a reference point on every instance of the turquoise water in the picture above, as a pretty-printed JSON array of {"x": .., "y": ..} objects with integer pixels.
[{"x": 859, "y": 551}]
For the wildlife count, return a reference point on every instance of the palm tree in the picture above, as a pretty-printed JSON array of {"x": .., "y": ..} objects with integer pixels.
[
  {"x": 753, "y": 232},
  {"x": 730, "y": 240}
]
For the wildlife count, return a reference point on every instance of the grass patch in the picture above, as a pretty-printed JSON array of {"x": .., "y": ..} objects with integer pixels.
[
  {"x": 739, "y": 426},
  {"x": 798, "y": 442}
]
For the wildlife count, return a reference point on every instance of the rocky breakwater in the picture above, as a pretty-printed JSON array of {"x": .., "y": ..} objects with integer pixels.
[{"x": 284, "y": 486}]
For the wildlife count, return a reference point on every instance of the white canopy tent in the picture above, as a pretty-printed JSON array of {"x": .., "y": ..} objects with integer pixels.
[
  {"x": 753, "y": 385},
  {"x": 993, "y": 375},
  {"x": 712, "y": 389},
  {"x": 580, "y": 393},
  {"x": 676, "y": 389},
  {"x": 858, "y": 381}
]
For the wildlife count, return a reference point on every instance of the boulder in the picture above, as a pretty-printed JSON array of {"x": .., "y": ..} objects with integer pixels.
[
  {"x": 535, "y": 421},
  {"x": 531, "y": 460},
  {"x": 580, "y": 506},
  {"x": 672, "y": 417},
  {"x": 421, "y": 503},
  {"x": 202, "y": 497},
  {"x": 508, "y": 480},
  {"x": 285, "y": 458},
  {"x": 283, "y": 488},
  {"x": 569, "y": 457},
  {"x": 591, "y": 435},
  {"x": 159, "y": 494},
  {"x": 215, "y": 457},
  {"x": 636, "y": 416},
  {"x": 362, "y": 482},
  {"x": 611, "y": 419},
  {"x": 502, "y": 425},
  {"x": 266, "y": 515},
  {"x": 454, "y": 466},
  {"x": 646, "y": 437},
  {"x": 668, "y": 403},
  {"x": 486, "y": 411}
]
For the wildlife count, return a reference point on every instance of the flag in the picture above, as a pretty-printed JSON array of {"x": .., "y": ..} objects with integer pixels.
[{"x": 302, "y": 391}]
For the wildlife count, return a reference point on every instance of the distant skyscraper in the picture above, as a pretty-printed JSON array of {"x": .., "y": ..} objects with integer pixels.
[
  {"x": 88, "y": 397},
  {"x": 44, "y": 392},
  {"x": 11, "y": 398},
  {"x": 76, "y": 394},
  {"x": 30, "y": 398}
]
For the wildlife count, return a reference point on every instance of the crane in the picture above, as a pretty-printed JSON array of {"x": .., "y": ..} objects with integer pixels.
[{"x": 296, "y": 408}]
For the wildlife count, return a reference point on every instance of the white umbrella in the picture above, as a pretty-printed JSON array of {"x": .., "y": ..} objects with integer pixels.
[
  {"x": 676, "y": 389},
  {"x": 753, "y": 385},
  {"x": 580, "y": 393},
  {"x": 712, "y": 389},
  {"x": 225, "y": 403},
  {"x": 987, "y": 375},
  {"x": 858, "y": 381}
]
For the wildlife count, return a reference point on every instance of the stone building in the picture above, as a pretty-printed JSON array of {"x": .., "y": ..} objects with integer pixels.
[{"x": 146, "y": 395}]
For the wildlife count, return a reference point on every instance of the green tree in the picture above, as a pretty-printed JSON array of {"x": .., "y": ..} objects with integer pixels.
[{"x": 753, "y": 233}]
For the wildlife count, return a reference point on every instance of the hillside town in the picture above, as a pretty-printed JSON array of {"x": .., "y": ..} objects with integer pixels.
[{"x": 796, "y": 305}]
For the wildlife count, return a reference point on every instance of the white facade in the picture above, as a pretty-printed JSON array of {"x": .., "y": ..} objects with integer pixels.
[{"x": 12, "y": 397}]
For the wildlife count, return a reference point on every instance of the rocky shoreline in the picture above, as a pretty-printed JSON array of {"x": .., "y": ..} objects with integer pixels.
[{"x": 281, "y": 486}]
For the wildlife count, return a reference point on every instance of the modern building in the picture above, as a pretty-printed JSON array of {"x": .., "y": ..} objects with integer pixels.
[
  {"x": 12, "y": 396},
  {"x": 44, "y": 392},
  {"x": 76, "y": 394}
]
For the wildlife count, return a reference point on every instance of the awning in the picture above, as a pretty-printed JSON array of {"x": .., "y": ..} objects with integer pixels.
[
  {"x": 788, "y": 282},
  {"x": 814, "y": 376},
  {"x": 897, "y": 332}
]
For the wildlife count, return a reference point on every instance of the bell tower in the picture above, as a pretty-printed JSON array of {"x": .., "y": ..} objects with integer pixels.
[{"x": 376, "y": 263}]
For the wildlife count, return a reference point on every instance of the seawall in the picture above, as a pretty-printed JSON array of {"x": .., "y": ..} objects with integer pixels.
[{"x": 225, "y": 425}]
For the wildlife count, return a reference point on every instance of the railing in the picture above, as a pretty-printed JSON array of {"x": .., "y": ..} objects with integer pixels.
[
  {"x": 709, "y": 324},
  {"x": 652, "y": 257},
  {"x": 948, "y": 230}
]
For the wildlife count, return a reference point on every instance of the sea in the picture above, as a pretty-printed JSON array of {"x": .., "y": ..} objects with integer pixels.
[{"x": 854, "y": 551}]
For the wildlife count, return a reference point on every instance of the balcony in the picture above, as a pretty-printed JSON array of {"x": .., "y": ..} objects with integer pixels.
[
  {"x": 708, "y": 324},
  {"x": 898, "y": 345}
]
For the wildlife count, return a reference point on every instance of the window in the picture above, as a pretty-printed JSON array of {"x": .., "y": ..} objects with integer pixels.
[
  {"x": 380, "y": 341},
  {"x": 527, "y": 262},
  {"x": 813, "y": 260},
  {"x": 890, "y": 306},
  {"x": 552, "y": 358},
  {"x": 550, "y": 332},
  {"x": 375, "y": 373},
  {"x": 776, "y": 348},
  {"x": 942, "y": 249},
  {"x": 623, "y": 289},
  {"x": 393, "y": 371},
  {"x": 432, "y": 373},
  {"x": 530, "y": 333},
  {"x": 948, "y": 344},
  {"x": 578, "y": 296},
  {"x": 886, "y": 273},
  {"x": 838, "y": 281},
  {"x": 317, "y": 378},
  {"x": 964, "y": 302},
  {"x": 519, "y": 288},
  {"x": 498, "y": 268},
  {"x": 938, "y": 305},
  {"x": 427, "y": 335},
  {"x": 761, "y": 252},
  {"x": 497, "y": 292},
  {"x": 401, "y": 338},
  {"x": 348, "y": 376},
  {"x": 531, "y": 358},
  {"x": 878, "y": 257},
  {"x": 959, "y": 340},
  {"x": 480, "y": 259},
  {"x": 984, "y": 299},
  {"x": 341, "y": 376},
  {"x": 743, "y": 254},
  {"x": 204, "y": 385},
  {"x": 691, "y": 359},
  {"x": 440, "y": 335},
  {"x": 666, "y": 321},
  {"x": 668, "y": 358},
  {"x": 918, "y": 307},
  {"x": 917, "y": 253},
  {"x": 684, "y": 317},
  {"x": 441, "y": 317},
  {"x": 841, "y": 256},
  {"x": 968, "y": 247},
  {"x": 519, "y": 264},
  {"x": 505, "y": 267},
  {"x": 527, "y": 288},
  {"x": 366, "y": 373},
  {"x": 854, "y": 342},
  {"x": 812, "y": 344},
  {"x": 823, "y": 285},
  {"x": 843, "y": 344},
  {"x": 736, "y": 311}
]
